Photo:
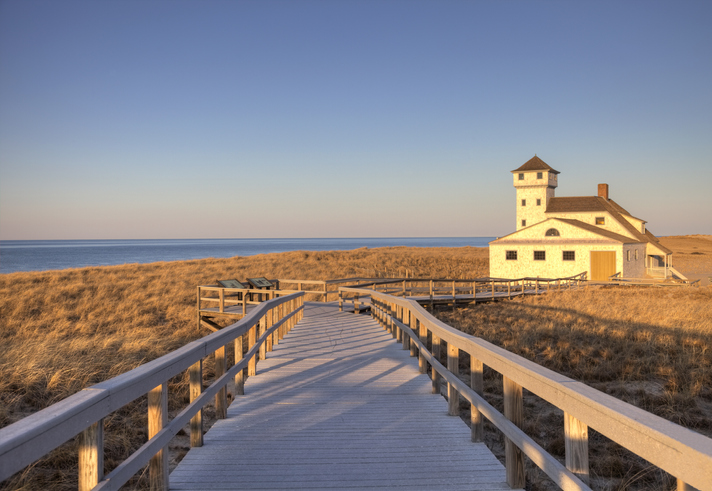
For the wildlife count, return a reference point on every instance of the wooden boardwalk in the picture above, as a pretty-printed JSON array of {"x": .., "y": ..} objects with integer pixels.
[{"x": 339, "y": 405}]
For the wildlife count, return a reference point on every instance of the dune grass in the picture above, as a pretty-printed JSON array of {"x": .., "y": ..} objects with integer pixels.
[
  {"x": 647, "y": 346},
  {"x": 65, "y": 330}
]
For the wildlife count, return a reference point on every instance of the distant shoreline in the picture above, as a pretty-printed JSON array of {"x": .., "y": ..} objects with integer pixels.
[{"x": 25, "y": 256}]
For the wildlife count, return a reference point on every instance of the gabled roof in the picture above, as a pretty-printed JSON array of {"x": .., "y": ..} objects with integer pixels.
[
  {"x": 599, "y": 231},
  {"x": 535, "y": 163},
  {"x": 575, "y": 204},
  {"x": 597, "y": 203},
  {"x": 585, "y": 226}
]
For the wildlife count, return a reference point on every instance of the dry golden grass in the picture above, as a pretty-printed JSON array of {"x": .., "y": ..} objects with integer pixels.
[
  {"x": 647, "y": 346},
  {"x": 65, "y": 330}
]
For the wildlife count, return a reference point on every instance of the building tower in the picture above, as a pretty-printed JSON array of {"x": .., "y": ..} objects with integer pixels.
[{"x": 535, "y": 182}]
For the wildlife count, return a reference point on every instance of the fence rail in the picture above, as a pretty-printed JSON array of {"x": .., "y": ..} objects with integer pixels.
[
  {"x": 82, "y": 414},
  {"x": 683, "y": 453}
]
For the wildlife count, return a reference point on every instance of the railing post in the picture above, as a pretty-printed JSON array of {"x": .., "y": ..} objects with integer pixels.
[
  {"x": 198, "y": 310},
  {"x": 431, "y": 296},
  {"x": 283, "y": 328},
  {"x": 453, "y": 365},
  {"x": 357, "y": 305},
  {"x": 405, "y": 335},
  {"x": 91, "y": 456},
  {"x": 221, "y": 296},
  {"x": 251, "y": 340},
  {"x": 195, "y": 373},
  {"x": 398, "y": 333},
  {"x": 423, "y": 335},
  {"x": 435, "y": 350},
  {"x": 275, "y": 319},
  {"x": 576, "y": 445},
  {"x": 239, "y": 376},
  {"x": 513, "y": 411},
  {"x": 325, "y": 291},
  {"x": 476, "y": 384},
  {"x": 492, "y": 288},
  {"x": 157, "y": 419},
  {"x": 269, "y": 322},
  {"x": 412, "y": 321},
  {"x": 221, "y": 396},
  {"x": 261, "y": 330},
  {"x": 341, "y": 301}
]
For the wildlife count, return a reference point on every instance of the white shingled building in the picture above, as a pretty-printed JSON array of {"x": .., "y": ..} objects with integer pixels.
[{"x": 561, "y": 237}]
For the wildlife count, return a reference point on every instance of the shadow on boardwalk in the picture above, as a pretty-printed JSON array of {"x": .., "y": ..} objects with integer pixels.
[{"x": 339, "y": 405}]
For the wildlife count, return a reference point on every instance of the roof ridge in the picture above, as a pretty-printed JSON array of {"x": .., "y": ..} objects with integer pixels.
[{"x": 535, "y": 163}]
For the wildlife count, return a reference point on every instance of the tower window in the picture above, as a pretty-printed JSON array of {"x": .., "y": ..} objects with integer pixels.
[
  {"x": 569, "y": 256},
  {"x": 524, "y": 202},
  {"x": 511, "y": 255},
  {"x": 636, "y": 254},
  {"x": 552, "y": 232},
  {"x": 521, "y": 176},
  {"x": 540, "y": 175},
  {"x": 540, "y": 255},
  {"x": 538, "y": 202},
  {"x": 628, "y": 255},
  {"x": 600, "y": 220},
  {"x": 524, "y": 223}
]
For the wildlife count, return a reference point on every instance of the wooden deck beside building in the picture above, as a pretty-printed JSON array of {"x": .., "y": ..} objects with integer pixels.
[{"x": 339, "y": 404}]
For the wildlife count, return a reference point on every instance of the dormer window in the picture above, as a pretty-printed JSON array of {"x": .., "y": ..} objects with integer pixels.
[
  {"x": 521, "y": 176},
  {"x": 600, "y": 220},
  {"x": 540, "y": 175},
  {"x": 552, "y": 232}
]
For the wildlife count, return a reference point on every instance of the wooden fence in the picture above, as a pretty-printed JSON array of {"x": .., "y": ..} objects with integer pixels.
[
  {"x": 82, "y": 414},
  {"x": 683, "y": 453},
  {"x": 480, "y": 289}
]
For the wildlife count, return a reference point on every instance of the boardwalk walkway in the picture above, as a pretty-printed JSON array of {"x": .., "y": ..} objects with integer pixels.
[{"x": 339, "y": 405}]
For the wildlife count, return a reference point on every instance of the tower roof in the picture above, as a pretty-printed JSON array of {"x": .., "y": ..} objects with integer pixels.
[{"x": 535, "y": 163}]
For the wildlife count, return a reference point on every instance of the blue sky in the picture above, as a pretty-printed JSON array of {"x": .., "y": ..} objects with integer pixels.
[{"x": 187, "y": 119}]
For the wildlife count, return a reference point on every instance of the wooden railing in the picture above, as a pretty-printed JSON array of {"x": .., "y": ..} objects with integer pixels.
[
  {"x": 681, "y": 452},
  {"x": 82, "y": 414},
  {"x": 324, "y": 288},
  {"x": 481, "y": 287}
]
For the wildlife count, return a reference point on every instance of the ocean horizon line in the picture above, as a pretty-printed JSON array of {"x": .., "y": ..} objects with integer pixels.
[{"x": 57, "y": 254}]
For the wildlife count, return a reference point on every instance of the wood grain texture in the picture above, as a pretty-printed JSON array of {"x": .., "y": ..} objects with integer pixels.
[
  {"x": 453, "y": 365},
  {"x": 195, "y": 377},
  {"x": 91, "y": 456},
  {"x": 157, "y": 419},
  {"x": 476, "y": 384},
  {"x": 576, "y": 445},
  {"x": 514, "y": 411},
  {"x": 221, "y": 397},
  {"x": 338, "y": 405}
]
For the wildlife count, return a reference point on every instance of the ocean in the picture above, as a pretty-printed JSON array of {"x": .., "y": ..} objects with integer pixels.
[{"x": 42, "y": 255}]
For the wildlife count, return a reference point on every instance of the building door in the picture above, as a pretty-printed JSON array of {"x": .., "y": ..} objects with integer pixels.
[{"x": 603, "y": 265}]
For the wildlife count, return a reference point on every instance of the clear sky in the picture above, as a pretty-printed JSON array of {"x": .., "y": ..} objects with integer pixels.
[{"x": 187, "y": 119}]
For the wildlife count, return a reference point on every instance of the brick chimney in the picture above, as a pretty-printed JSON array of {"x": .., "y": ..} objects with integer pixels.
[{"x": 603, "y": 191}]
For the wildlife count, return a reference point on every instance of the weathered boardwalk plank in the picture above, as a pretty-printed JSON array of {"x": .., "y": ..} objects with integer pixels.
[{"x": 339, "y": 405}]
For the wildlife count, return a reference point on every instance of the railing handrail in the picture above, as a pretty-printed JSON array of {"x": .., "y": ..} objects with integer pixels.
[
  {"x": 679, "y": 451},
  {"x": 27, "y": 440}
]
